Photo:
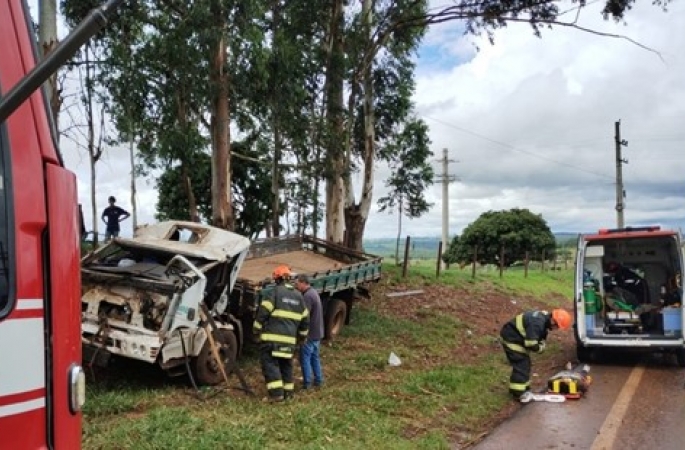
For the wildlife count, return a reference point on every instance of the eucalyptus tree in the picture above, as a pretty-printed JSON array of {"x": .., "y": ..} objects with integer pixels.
[
  {"x": 86, "y": 128},
  {"x": 408, "y": 151},
  {"x": 171, "y": 71},
  {"x": 379, "y": 102},
  {"x": 284, "y": 85}
]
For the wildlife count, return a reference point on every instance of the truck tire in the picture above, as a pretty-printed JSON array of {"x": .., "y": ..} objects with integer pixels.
[
  {"x": 680, "y": 357},
  {"x": 207, "y": 371},
  {"x": 336, "y": 315}
]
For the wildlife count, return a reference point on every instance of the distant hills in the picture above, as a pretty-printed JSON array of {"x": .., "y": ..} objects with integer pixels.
[{"x": 427, "y": 247}]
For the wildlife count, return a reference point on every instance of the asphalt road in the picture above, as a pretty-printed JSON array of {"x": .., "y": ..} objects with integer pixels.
[{"x": 633, "y": 403}]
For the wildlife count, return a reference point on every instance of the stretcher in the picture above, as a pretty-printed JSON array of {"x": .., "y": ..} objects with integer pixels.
[{"x": 572, "y": 383}]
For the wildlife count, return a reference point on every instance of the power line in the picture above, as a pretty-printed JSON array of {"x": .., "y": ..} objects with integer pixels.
[{"x": 511, "y": 147}]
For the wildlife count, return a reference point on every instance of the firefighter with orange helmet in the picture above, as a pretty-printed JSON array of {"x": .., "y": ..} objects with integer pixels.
[
  {"x": 525, "y": 333},
  {"x": 280, "y": 322}
]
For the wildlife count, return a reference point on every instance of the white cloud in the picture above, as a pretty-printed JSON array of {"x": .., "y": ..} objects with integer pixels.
[
  {"x": 545, "y": 110},
  {"x": 530, "y": 122}
]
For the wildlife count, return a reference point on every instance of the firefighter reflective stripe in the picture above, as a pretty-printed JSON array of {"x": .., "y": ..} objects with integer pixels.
[
  {"x": 519, "y": 325},
  {"x": 289, "y": 386},
  {"x": 256, "y": 326},
  {"x": 515, "y": 347},
  {"x": 281, "y": 355},
  {"x": 278, "y": 384},
  {"x": 289, "y": 314},
  {"x": 522, "y": 331},
  {"x": 271, "y": 337},
  {"x": 519, "y": 387},
  {"x": 266, "y": 304},
  {"x": 529, "y": 344}
]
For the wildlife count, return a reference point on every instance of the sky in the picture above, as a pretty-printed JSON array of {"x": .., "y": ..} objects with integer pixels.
[{"x": 527, "y": 123}]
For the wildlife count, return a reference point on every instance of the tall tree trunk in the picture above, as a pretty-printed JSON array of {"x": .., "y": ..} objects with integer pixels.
[
  {"x": 182, "y": 120},
  {"x": 94, "y": 150},
  {"x": 134, "y": 206},
  {"x": 188, "y": 188},
  {"x": 47, "y": 35},
  {"x": 93, "y": 199},
  {"x": 335, "y": 188},
  {"x": 356, "y": 214},
  {"x": 222, "y": 211},
  {"x": 399, "y": 232},
  {"x": 275, "y": 213},
  {"x": 275, "y": 89}
]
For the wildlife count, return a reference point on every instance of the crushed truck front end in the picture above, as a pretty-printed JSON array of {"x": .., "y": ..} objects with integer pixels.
[{"x": 142, "y": 296}]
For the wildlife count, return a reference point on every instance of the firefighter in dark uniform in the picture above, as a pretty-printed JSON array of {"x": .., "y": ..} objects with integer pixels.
[
  {"x": 280, "y": 322},
  {"x": 527, "y": 333}
]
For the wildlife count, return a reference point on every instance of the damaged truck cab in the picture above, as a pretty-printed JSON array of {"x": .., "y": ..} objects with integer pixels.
[
  {"x": 142, "y": 298},
  {"x": 628, "y": 292}
]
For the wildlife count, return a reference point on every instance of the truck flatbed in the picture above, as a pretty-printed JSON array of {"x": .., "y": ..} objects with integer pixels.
[
  {"x": 339, "y": 274},
  {"x": 300, "y": 261}
]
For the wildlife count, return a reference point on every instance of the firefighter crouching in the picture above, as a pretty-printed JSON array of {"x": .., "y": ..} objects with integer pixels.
[
  {"x": 526, "y": 333},
  {"x": 280, "y": 322}
]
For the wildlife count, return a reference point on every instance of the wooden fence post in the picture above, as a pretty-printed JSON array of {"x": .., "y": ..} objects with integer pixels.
[
  {"x": 406, "y": 258},
  {"x": 501, "y": 261},
  {"x": 475, "y": 261},
  {"x": 525, "y": 266},
  {"x": 543, "y": 260}
]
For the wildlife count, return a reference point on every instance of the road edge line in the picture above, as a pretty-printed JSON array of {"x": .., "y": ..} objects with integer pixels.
[{"x": 609, "y": 429}]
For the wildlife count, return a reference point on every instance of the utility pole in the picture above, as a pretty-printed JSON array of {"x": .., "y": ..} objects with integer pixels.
[
  {"x": 445, "y": 179},
  {"x": 620, "y": 192}
]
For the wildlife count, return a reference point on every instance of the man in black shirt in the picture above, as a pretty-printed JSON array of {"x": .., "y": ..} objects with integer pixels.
[{"x": 112, "y": 215}]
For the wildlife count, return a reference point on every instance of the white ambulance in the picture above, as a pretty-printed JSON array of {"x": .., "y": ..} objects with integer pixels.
[{"x": 628, "y": 292}]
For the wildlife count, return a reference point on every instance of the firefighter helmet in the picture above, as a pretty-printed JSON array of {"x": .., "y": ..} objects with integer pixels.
[
  {"x": 282, "y": 271},
  {"x": 562, "y": 318}
]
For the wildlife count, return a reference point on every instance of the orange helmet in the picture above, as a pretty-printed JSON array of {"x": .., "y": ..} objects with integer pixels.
[
  {"x": 562, "y": 318},
  {"x": 282, "y": 271}
]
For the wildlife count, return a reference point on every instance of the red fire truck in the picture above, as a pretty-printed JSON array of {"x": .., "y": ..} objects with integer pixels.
[{"x": 42, "y": 385}]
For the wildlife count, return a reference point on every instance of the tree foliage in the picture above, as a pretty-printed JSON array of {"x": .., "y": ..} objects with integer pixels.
[
  {"x": 515, "y": 231},
  {"x": 323, "y": 88},
  {"x": 250, "y": 190},
  {"x": 411, "y": 173}
]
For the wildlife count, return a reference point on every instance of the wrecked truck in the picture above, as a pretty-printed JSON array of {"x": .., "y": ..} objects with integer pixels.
[{"x": 142, "y": 298}]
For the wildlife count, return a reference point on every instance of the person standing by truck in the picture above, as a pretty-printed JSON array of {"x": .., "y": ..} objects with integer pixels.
[
  {"x": 280, "y": 323},
  {"x": 525, "y": 333},
  {"x": 112, "y": 215},
  {"x": 310, "y": 359}
]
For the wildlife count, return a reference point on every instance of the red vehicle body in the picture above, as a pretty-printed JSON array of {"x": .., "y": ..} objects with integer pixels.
[{"x": 42, "y": 387}]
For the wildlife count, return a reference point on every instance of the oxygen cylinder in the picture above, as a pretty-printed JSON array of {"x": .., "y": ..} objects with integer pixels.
[{"x": 590, "y": 297}]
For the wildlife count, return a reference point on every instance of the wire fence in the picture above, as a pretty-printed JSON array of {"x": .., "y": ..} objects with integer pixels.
[{"x": 560, "y": 260}]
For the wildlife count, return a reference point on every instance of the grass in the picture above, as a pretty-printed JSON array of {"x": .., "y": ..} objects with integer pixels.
[
  {"x": 430, "y": 401},
  {"x": 537, "y": 283}
]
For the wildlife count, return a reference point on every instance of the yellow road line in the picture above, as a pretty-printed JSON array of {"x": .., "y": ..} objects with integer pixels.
[{"x": 607, "y": 434}]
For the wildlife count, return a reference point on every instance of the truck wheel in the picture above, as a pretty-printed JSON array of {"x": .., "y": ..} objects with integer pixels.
[
  {"x": 207, "y": 371},
  {"x": 680, "y": 357},
  {"x": 583, "y": 353},
  {"x": 336, "y": 314}
]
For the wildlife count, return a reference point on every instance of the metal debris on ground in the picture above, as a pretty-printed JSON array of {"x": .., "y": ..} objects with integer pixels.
[{"x": 404, "y": 293}]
